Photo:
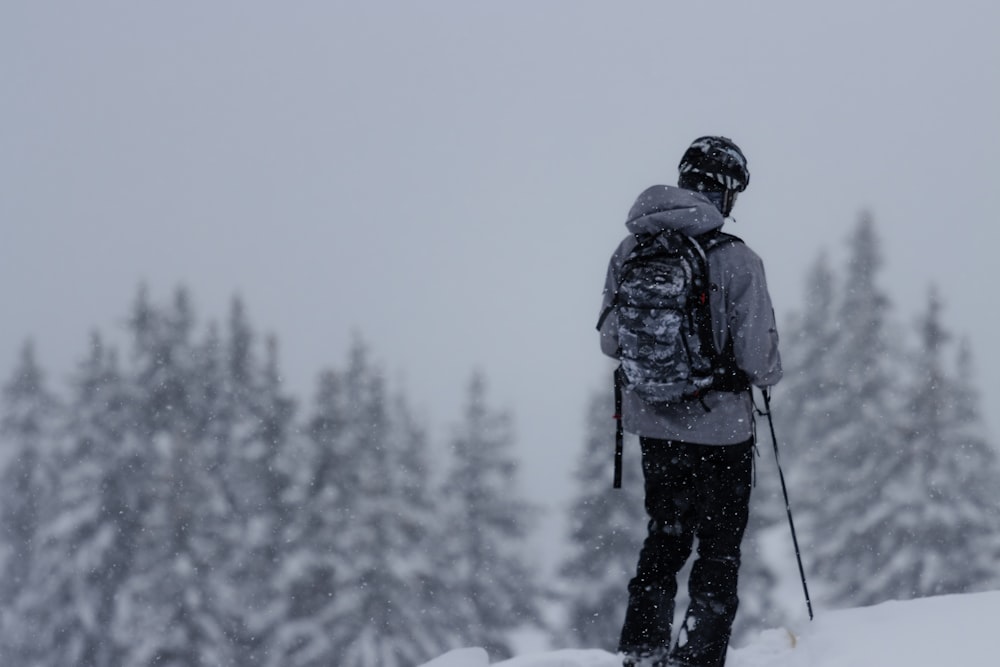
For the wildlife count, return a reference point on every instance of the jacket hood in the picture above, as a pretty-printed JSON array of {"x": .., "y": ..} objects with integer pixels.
[{"x": 664, "y": 207}]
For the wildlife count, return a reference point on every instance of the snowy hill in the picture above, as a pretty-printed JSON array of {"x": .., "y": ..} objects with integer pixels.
[{"x": 955, "y": 630}]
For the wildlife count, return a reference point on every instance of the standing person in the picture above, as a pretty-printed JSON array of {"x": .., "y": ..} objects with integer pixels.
[{"x": 694, "y": 421}]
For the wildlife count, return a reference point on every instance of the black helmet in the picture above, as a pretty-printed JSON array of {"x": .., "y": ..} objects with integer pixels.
[{"x": 714, "y": 164}]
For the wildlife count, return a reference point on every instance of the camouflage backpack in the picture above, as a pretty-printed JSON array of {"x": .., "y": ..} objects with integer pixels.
[{"x": 665, "y": 340}]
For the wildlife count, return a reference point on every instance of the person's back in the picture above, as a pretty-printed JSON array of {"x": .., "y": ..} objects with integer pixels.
[{"x": 697, "y": 454}]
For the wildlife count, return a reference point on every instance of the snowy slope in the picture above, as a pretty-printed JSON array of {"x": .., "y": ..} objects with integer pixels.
[{"x": 956, "y": 631}]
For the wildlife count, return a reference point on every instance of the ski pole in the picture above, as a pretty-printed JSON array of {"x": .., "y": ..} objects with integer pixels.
[
  {"x": 619, "y": 432},
  {"x": 788, "y": 506}
]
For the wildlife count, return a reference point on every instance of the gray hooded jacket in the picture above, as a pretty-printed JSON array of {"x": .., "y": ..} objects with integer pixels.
[{"x": 741, "y": 310}]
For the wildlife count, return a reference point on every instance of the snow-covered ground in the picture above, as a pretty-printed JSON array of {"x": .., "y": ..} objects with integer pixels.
[{"x": 952, "y": 631}]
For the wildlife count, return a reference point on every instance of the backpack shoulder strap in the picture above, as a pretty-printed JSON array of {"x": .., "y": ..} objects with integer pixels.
[
  {"x": 728, "y": 375},
  {"x": 642, "y": 241},
  {"x": 717, "y": 238}
]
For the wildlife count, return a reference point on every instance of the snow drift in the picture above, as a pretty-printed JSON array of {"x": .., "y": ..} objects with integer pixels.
[{"x": 930, "y": 632}]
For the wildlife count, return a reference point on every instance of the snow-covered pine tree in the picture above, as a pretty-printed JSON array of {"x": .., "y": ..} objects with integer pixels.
[
  {"x": 252, "y": 447},
  {"x": 90, "y": 523},
  {"x": 321, "y": 473},
  {"x": 607, "y": 527},
  {"x": 173, "y": 609},
  {"x": 429, "y": 632},
  {"x": 848, "y": 534},
  {"x": 493, "y": 588},
  {"x": 941, "y": 491},
  {"x": 802, "y": 406},
  {"x": 28, "y": 423},
  {"x": 982, "y": 455},
  {"x": 803, "y": 401},
  {"x": 361, "y": 537}
]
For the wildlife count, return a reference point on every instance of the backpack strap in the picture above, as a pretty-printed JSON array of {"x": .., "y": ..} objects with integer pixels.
[
  {"x": 716, "y": 238},
  {"x": 728, "y": 376},
  {"x": 619, "y": 430}
]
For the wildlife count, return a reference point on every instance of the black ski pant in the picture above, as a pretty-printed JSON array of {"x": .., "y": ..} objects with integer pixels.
[{"x": 692, "y": 491}]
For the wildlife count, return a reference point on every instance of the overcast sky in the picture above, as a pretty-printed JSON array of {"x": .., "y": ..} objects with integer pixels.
[{"x": 450, "y": 178}]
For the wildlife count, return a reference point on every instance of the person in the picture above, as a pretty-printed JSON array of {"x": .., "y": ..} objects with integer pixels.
[{"x": 697, "y": 455}]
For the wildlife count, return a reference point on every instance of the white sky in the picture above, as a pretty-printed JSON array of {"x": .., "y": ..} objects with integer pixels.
[{"x": 450, "y": 178}]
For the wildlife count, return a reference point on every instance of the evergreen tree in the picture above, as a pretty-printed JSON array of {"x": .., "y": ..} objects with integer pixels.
[
  {"x": 848, "y": 533},
  {"x": 493, "y": 586},
  {"x": 257, "y": 436},
  {"x": 803, "y": 406},
  {"x": 381, "y": 618},
  {"x": 170, "y": 514},
  {"x": 980, "y": 454},
  {"x": 318, "y": 465},
  {"x": 426, "y": 632},
  {"x": 90, "y": 525},
  {"x": 27, "y": 425},
  {"x": 363, "y": 579},
  {"x": 607, "y": 527},
  {"x": 810, "y": 388},
  {"x": 941, "y": 489},
  {"x": 173, "y": 608}
]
